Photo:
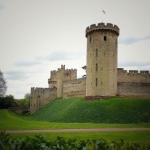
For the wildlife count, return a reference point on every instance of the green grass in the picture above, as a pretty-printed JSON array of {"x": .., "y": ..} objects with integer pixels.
[
  {"x": 78, "y": 113},
  {"x": 12, "y": 121},
  {"x": 130, "y": 136},
  {"x": 115, "y": 110}
]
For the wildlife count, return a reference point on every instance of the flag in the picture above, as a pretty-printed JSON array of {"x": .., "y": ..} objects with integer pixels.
[{"x": 104, "y": 12}]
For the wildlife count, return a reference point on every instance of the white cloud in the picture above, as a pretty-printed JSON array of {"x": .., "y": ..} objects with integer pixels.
[
  {"x": 17, "y": 75},
  {"x": 133, "y": 64},
  {"x": 54, "y": 56},
  {"x": 133, "y": 40}
]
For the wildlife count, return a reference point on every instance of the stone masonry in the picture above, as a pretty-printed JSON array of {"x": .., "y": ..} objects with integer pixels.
[
  {"x": 101, "y": 70},
  {"x": 103, "y": 78}
]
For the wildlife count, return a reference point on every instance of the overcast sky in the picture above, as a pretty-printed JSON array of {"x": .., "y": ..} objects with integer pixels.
[{"x": 37, "y": 36}]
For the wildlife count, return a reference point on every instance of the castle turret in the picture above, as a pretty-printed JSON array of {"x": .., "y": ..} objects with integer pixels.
[
  {"x": 101, "y": 79},
  {"x": 60, "y": 79}
]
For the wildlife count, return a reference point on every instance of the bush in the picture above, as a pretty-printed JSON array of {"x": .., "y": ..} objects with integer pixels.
[{"x": 40, "y": 143}]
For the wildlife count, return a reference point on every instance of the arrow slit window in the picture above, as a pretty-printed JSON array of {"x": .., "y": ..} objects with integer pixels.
[{"x": 96, "y": 81}]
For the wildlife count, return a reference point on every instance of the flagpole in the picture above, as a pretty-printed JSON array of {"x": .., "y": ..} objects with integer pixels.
[{"x": 103, "y": 11}]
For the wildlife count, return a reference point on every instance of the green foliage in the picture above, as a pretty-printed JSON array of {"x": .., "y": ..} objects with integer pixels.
[
  {"x": 27, "y": 96},
  {"x": 23, "y": 103},
  {"x": 7, "y": 101},
  {"x": 12, "y": 121},
  {"x": 128, "y": 136},
  {"x": 115, "y": 110},
  {"x": 40, "y": 143},
  {"x": 3, "y": 86}
]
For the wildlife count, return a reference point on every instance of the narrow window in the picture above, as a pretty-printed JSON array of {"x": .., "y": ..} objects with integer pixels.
[
  {"x": 105, "y": 38},
  {"x": 96, "y": 67},
  {"x": 90, "y": 39},
  {"x": 96, "y": 52},
  {"x": 96, "y": 81}
]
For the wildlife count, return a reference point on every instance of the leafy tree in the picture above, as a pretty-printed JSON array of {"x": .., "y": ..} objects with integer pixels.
[
  {"x": 27, "y": 96},
  {"x": 7, "y": 101},
  {"x": 3, "y": 86},
  {"x": 23, "y": 103}
]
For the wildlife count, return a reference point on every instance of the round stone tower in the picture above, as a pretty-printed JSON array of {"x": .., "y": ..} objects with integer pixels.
[{"x": 101, "y": 78}]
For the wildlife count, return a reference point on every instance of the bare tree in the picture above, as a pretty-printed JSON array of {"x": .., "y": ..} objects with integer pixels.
[{"x": 3, "y": 86}]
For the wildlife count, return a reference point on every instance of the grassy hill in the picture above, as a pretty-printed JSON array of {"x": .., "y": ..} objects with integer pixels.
[
  {"x": 115, "y": 110},
  {"x": 12, "y": 121}
]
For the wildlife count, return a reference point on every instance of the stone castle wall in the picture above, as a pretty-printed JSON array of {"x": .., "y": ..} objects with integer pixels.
[
  {"x": 133, "y": 83},
  {"x": 61, "y": 74},
  {"x": 102, "y": 60},
  {"x": 133, "y": 76},
  {"x": 52, "y": 81},
  {"x": 130, "y": 84},
  {"x": 40, "y": 97},
  {"x": 74, "y": 88},
  {"x": 102, "y": 79}
]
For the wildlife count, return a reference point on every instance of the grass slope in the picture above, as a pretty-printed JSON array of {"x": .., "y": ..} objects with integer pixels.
[
  {"x": 115, "y": 110},
  {"x": 12, "y": 121},
  {"x": 130, "y": 136}
]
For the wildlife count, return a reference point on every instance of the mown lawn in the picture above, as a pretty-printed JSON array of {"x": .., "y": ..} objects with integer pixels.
[
  {"x": 78, "y": 113},
  {"x": 12, "y": 121},
  {"x": 115, "y": 110},
  {"x": 129, "y": 136}
]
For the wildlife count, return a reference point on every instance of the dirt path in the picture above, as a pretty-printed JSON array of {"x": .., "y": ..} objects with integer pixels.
[{"x": 78, "y": 130}]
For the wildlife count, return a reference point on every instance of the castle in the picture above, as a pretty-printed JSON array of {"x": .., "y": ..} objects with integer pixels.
[{"x": 103, "y": 78}]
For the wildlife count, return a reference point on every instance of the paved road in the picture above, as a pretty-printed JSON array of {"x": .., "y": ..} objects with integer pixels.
[{"x": 78, "y": 130}]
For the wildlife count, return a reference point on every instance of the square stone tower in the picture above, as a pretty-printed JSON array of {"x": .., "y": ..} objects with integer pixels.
[{"x": 101, "y": 79}]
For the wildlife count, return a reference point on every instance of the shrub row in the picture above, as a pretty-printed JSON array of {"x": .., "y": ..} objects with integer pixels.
[{"x": 40, "y": 143}]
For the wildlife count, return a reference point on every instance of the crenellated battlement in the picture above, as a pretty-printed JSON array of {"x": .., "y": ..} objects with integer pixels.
[
  {"x": 145, "y": 72},
  {"x": 102, "y": 26},
  {"x": 71, "y": 69},
  {"x": 133, "y": 76},
  {"x": 102, "y": 49},
  {"x": 39, "y": 89},
  {"x": 133, "y": 72},
  {"x": 53, "y": 72}
]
